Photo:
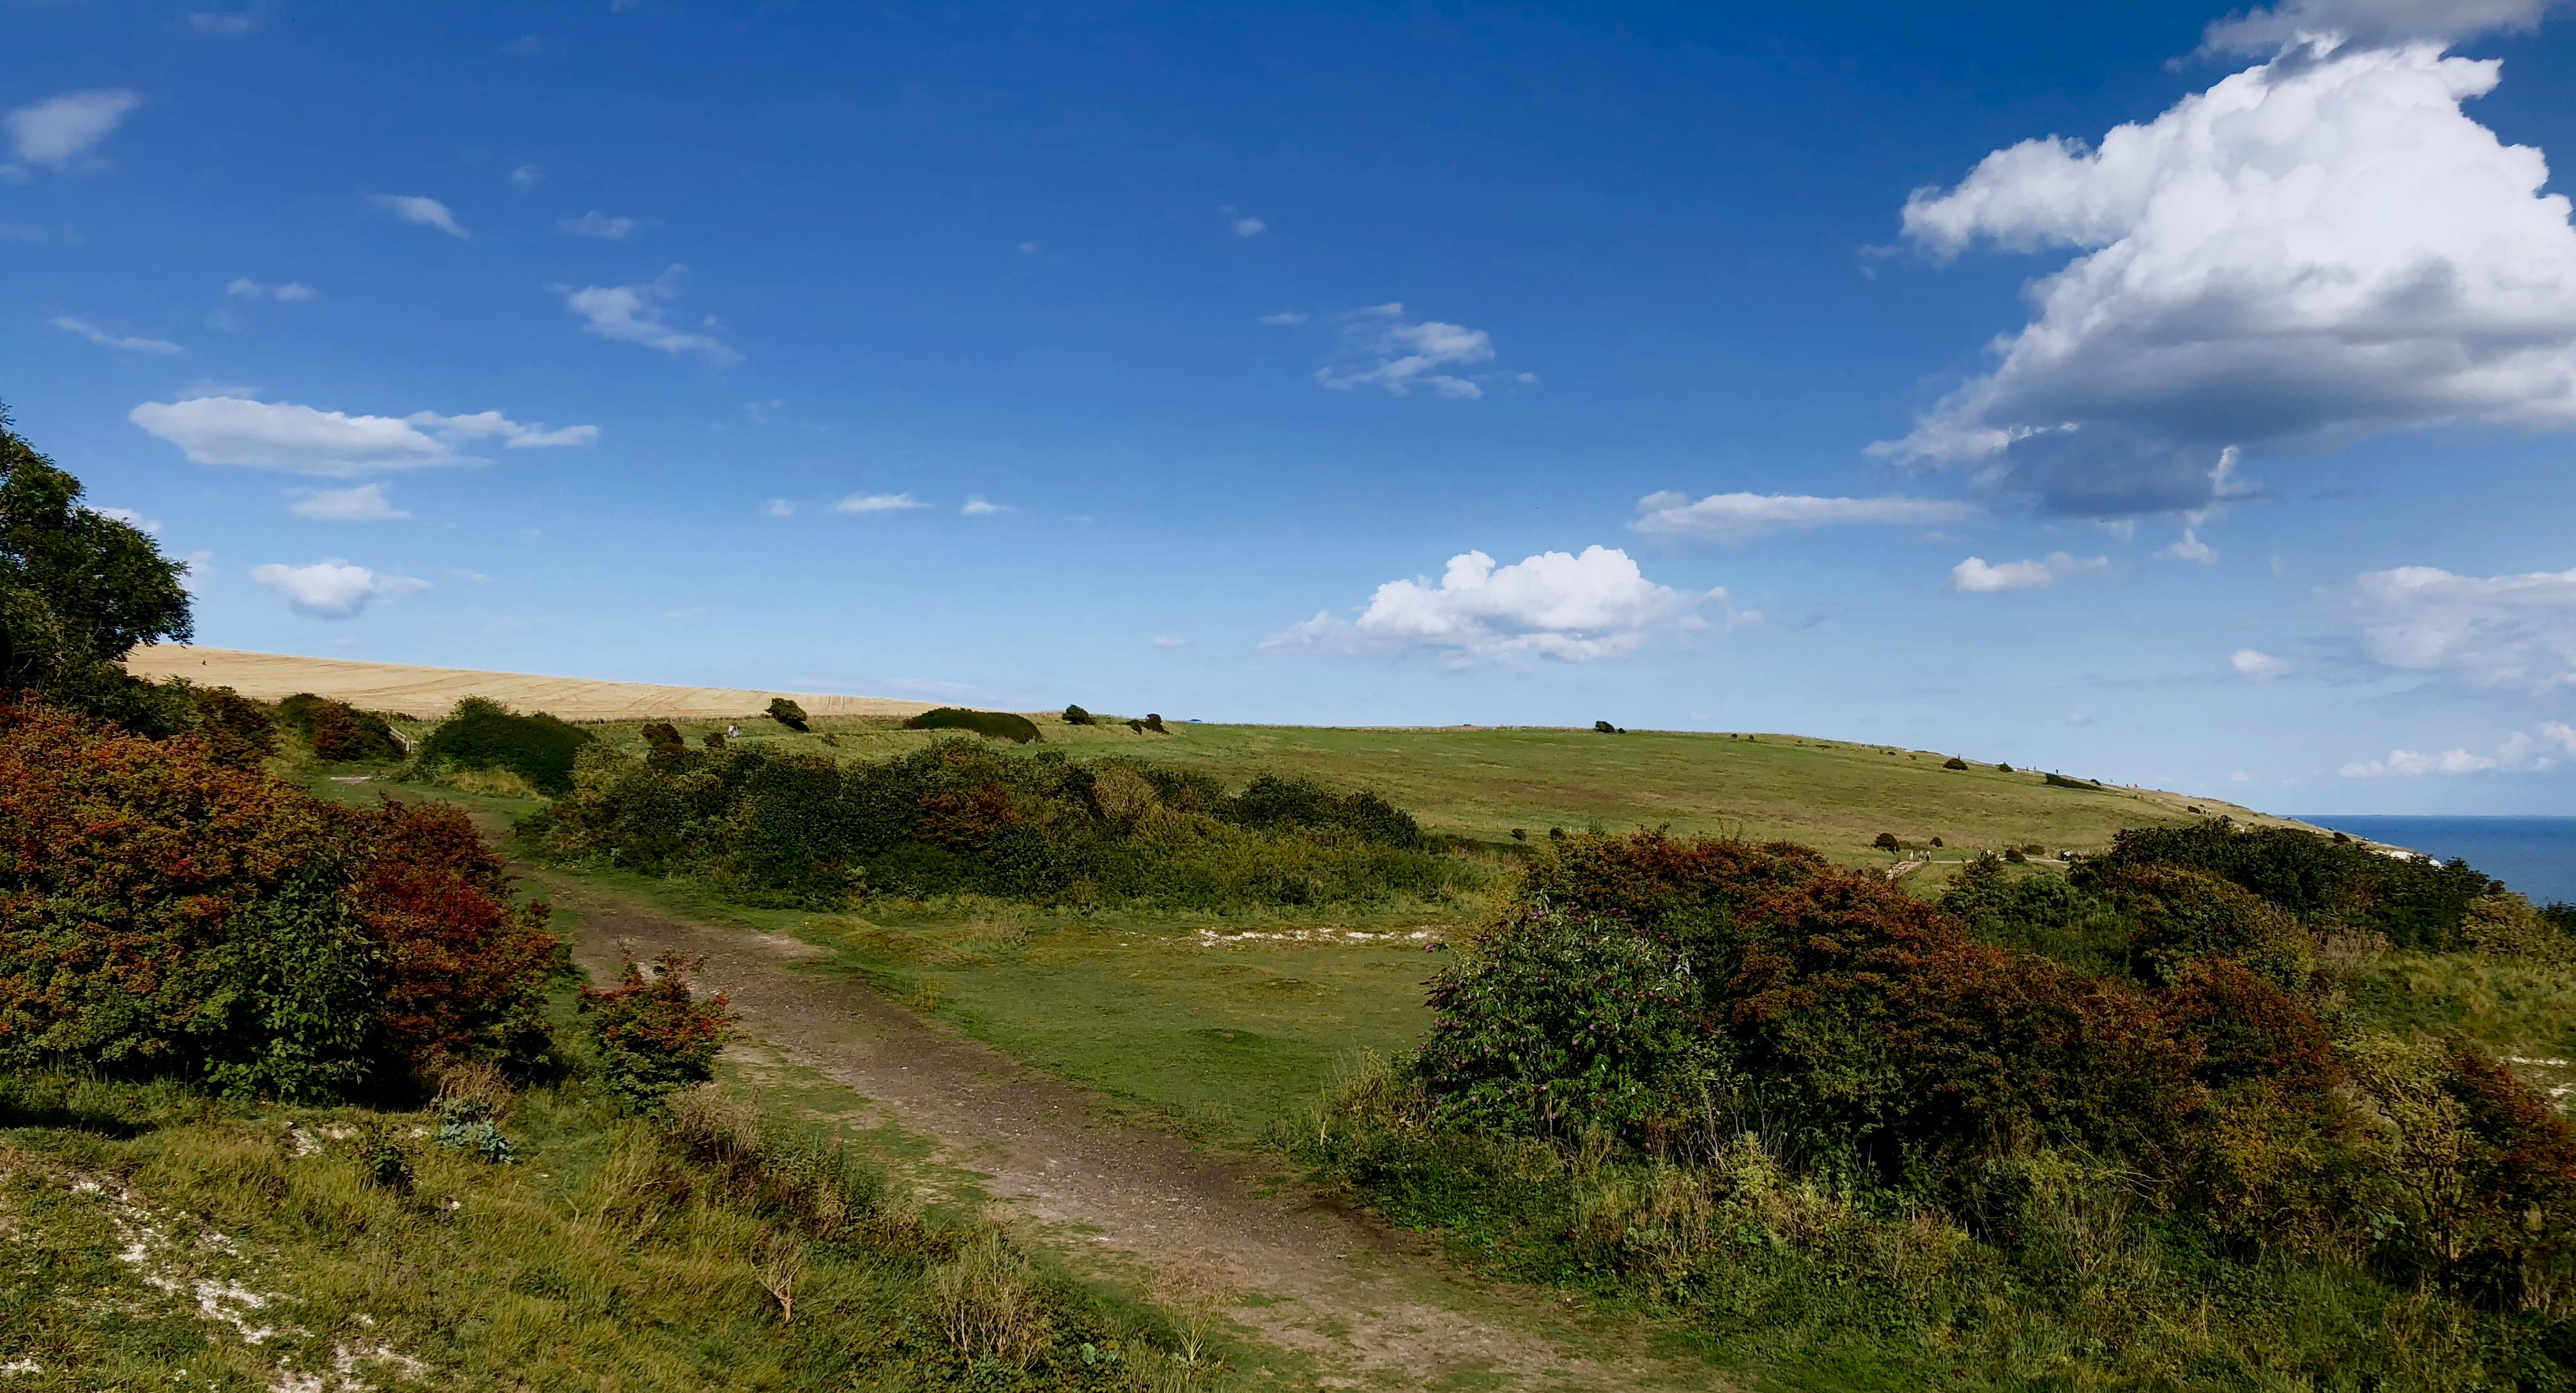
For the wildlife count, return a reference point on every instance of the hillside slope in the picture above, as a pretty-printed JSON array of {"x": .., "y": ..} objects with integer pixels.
[{"x": 404, "y": 689}]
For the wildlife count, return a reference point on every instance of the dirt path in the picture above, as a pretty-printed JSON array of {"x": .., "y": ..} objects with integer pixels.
[{"x": 1371, "y": 1305}]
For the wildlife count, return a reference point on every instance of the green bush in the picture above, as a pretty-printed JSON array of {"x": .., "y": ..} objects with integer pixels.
[
  {"x": 483, "y": 734},
  {"x": 662, "y": 738},
  {"x": 338, "y": 731},
  {"x": 237, "y": 731},
  {"x": 1885, "y": 841},
  {"x": 1954, "y": 762},
  {"x": 2061, "y": 781},
  {"x": 652, "y": 1037},
  {"x": 999, "y": 725},
  {"x": 787, "y": 713},
  {"x": 1076, "y": 716},
  {"x": 2322, "y": 882}
]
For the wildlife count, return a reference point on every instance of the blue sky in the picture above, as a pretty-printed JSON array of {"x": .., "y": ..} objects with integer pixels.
[{"x": 1759, "y": 371}]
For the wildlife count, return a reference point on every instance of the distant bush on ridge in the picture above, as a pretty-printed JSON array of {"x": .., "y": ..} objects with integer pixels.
[{"x": 999, "y": 725}]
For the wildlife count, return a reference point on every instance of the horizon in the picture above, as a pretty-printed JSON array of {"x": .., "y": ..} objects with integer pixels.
[{"x": 2175, "y": 397}]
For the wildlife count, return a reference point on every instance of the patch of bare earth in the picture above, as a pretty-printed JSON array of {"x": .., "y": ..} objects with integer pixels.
[{"x": 1372, "y": 1306}]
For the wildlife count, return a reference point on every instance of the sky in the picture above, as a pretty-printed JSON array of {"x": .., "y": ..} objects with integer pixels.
[{"x": 2156, "y": 393}]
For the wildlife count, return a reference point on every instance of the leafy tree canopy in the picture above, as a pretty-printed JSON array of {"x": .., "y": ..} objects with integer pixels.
[{"x": 77, "y": 589}]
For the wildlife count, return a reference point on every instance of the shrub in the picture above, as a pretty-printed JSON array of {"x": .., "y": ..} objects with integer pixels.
[
  {"x": 161, "y": 913},
  {"x": 2014, "y": 855},
  {"x": 998, "y": 725},
  {"x": 787, "y": 713},
  {"x": 2183, "y": 914},
  {"x": 713, "y": 740},
  {"x": 652, "y": 1035},
  {"x": 483, "y": 734},
  {"x": 2061, "y": 781},
  {"x": 2322, "y": 882},
  {"x": 1560, "y": 1026},
  {"x": 338, "y": 731},
  {"x": 662, "y": 738},
  {"x": 1885, "y": 841},
  {"x": 1154, "y": 723},
  {"x": 238, "y": 732},
  {"x": 1076, "y": 716},
  {"x": 2003, "y": 768},
  {"x": 1605, "y": 728},
  {"x": 1936, "y": 841},
  {"x": 1954, "y": 762}
]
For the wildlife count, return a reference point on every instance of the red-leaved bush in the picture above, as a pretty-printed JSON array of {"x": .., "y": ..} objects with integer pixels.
[
  {"x": 161, "y": 912},
  {"x": 653, "y": 1034}
]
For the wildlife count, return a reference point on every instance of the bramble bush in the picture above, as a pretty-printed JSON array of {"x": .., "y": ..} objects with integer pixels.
[
  {"x": 162, "y": 913},
  {"x": 484, "y": 734},
  {"x": 652, "y": 1035},
  {"x": 962, "y": 817}
]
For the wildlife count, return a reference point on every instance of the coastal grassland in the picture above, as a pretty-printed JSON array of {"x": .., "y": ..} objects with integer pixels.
[
  {"x": 1221, "y": 1027},
  {"x": 154, "y": 1229},
  {"x": 1482, "y": 783}
]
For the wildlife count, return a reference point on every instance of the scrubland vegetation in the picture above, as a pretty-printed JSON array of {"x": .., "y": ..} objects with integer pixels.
[{"x": 2145, "y": 1126}]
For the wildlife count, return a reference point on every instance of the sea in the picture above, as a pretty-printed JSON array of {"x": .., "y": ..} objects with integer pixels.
[{"x": 2535, "y": 855}]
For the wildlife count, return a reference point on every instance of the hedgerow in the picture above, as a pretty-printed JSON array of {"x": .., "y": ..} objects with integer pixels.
[
  {"x": 961, "y": 817},
  {"x": 164, "y": 913}
]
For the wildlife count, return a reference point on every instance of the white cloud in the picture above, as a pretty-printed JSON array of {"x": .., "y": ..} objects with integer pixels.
[
  {"x": 597, "y": 224},
  {"x": 524, "y": 177},
  {"x": 2369, "y": 23},
  {"x": 1556, "y": 605},
  {"x": 2488, "y": 631},
  {"x": 127, "y": 342},
  {"x": 2412, "y": 764},
  {"x": 1739, "y": 517},
  {"x": 1028, "y": 248},
  {"x": 1399, "y": 355},
  {"x": 779, "y": 508},
  {"x": 2319, "y": 249},
  {"x": 132, "y": 519},
  {"x": 59, "y": 130},
  {"x": 877, "y": 503},
  {"x": 420, "y": 212},
  {"x": 2259, "y": 665},
  {"x": 1176, "y": 641},
  {"x": 293, "y": 292},
  {"x": 2559, "y": 733},
  {"x": 333, "y": 589},
  {"x": 283, "y": 435},
  {"x": 633, "y": 314},
  {"x": 365, "y": 503},
  {"x": 524, "y": 46},
  {"x": 977, "y": 507},
  {"x": 1249, "y": 227},
  {"x": 1285, "y": 319},
  {"x": 1975, "y": 576},
  {"x": 2191, "y": 548},
  {"x": 470, "y": 577}
]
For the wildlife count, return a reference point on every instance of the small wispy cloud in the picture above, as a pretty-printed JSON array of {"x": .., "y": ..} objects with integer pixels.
[
  {"x": 2191, "y": 548},
  {"x": 524, "y": 46},
  {"x": 1739, "y": 517},
  {"x": 1388, "y": 351},
  {"x": 365, "y": 503},
  {"x": 420, "y": 211},
  {"x": 2259, "y": 665},
  {"x": 292, "y": 292},
  {"x": 1250, "y": 227},
  {"x": 635, "y": 314},
  {"x": 979, "y": 507},
  {"x": 129, "y": 343},
  {"x": 778, "y": 508},
  {"x": 61, "y": 130},
  {"x": 1285, "y": 319},
  {"x": 1170, "y": 641},
  {"x": 524, "y": 177},
  {"x": 224, "y": 24},
  {"x": 877, "y": 503},
  {"x": 1977, "y": 576},
  {"x": 597, "y": 224}
]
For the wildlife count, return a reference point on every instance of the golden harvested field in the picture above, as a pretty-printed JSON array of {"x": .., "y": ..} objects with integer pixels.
[{"x": 402, "y": 689}]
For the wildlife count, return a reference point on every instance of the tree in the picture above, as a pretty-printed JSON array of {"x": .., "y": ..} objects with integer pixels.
[
  {"x": 787, "y": 713},
  {"x": 77, "y": 590},
  {"x": 1076, "y": 716}
]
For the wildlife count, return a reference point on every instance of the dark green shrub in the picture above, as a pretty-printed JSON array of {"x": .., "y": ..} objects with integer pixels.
[
  {"x": 787, "y": 713},
  {"x": 1885, "y": 841},
  {"x": 238, "y": 732},
  {"x": 2003, "y": 768},
  {"x": 2061, "y": 781},
  {"x": 2015, "y": 856},
  {"x": 662, "y": 737},
  {"x": 338, "y": 731},
  {"x": 1936, "y": 841},
  {"x": 1076, "y": 716},
  {"x": 1954, "y": 762},
  {"x": 2417, "y": 903},
  {"x": 384, "y": 1160},
  {"x": 998, "y": 725},
  {"x": 483, "y": 734},
  {"x": 1605, "y": 728},
  {"x": 714, "y": 739},
  {"x": 78, "y": 589},
  {"x": 1273, "y": 801},
  {"x": 2184, "y": 914},
  {"x": 1559, "y": 1026},
  {"x": 653, "y": 1037},
  {"x": 1154, "y": 723}
]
